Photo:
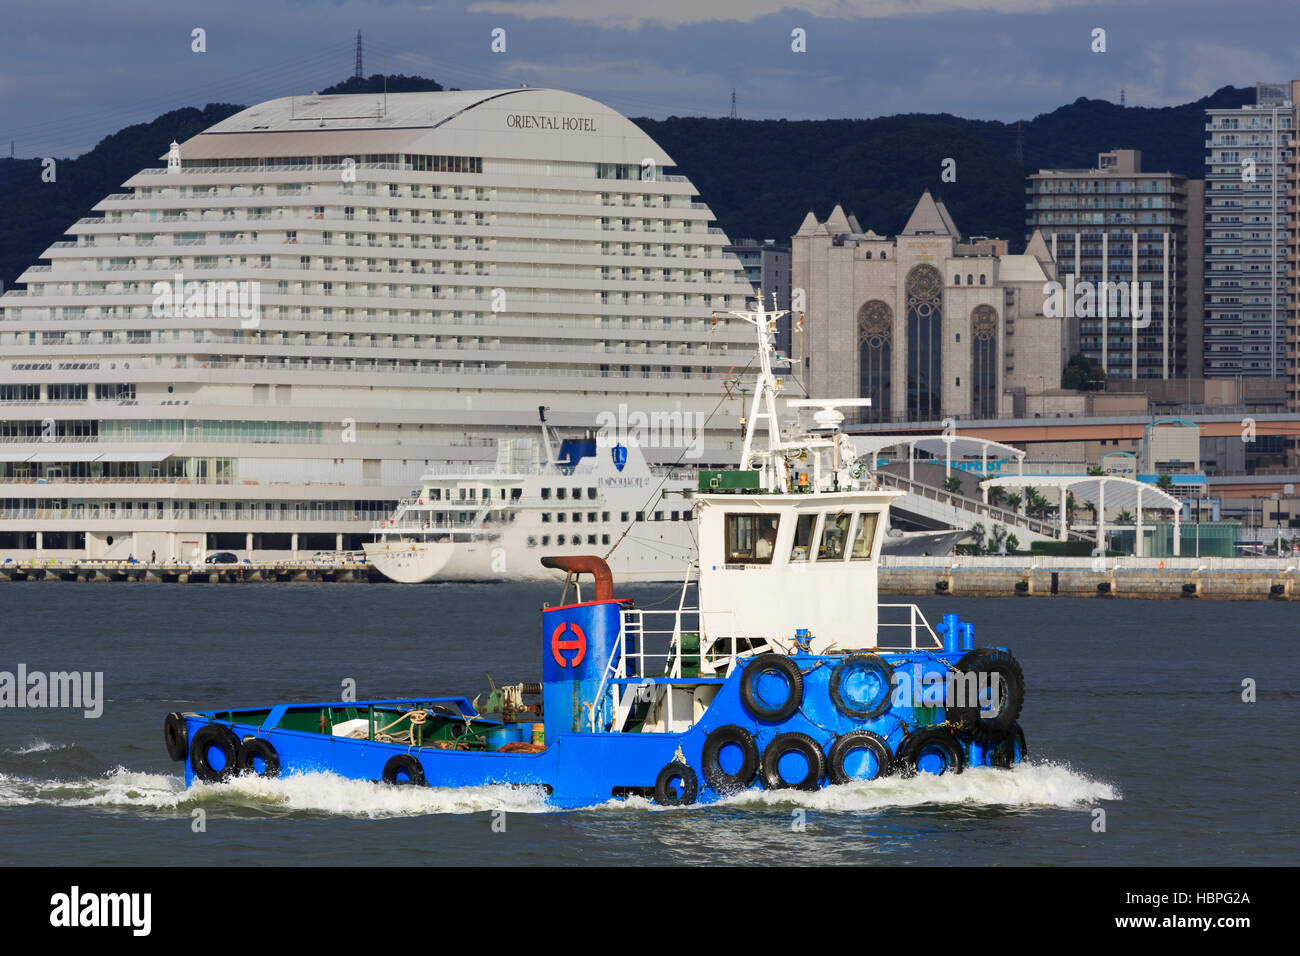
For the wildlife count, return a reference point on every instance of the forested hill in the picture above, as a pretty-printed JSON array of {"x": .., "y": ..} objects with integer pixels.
[{"x": 759, "y": 177}]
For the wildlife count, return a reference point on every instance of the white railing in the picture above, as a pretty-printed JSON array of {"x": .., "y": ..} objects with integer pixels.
[{"x": 920, "y": 636}]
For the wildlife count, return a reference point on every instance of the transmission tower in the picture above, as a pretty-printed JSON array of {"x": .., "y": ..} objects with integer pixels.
[
  {"x": 356, "y": 72},
  {"x": 733, "y": 102}
]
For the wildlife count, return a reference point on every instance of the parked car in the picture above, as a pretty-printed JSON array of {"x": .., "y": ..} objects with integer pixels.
[{"x": 222, "y": 557}]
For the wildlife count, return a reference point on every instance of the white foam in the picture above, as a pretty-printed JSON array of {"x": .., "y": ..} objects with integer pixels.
[
  {"x": 35, "y": 747},
  {"x": 1026, "y": 786}
]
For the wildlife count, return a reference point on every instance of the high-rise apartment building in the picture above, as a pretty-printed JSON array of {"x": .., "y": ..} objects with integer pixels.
[{"x": 1125, "y": 233}]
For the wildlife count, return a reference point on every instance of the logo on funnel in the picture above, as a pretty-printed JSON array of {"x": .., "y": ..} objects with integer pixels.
[
  {"x": 577, "y": 643},
  {"x": 619, "y": 452}
]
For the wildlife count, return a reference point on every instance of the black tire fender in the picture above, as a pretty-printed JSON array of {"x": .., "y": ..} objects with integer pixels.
[
  {"x": 855, "y": 740},
  {"x": 781, "y": 745},
  {"x": 862, "y": 710},
  {"x": 991, "y": 730},
  {"x": 224, "y": 739},
  {"x": 666, "y": 795},
  {"x": 404, "y": 763},
  {"x": 766, "y": 664},
  {"x": 255, "y": 747},
  {"x": 176, "y": 736},
  {"x": 918, "y": 742},
  {"x": 1004, "y": 754},
  {"x": 716, "y": 777}
]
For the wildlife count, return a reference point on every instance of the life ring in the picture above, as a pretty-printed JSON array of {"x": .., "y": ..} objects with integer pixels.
[
  {"x": 259, "y": 756},
  {"x": 210, "y": 737},
  {"x": 858, "y": 755},
  {"x": 800, "y": 746},
  {"x": 676, "y": 785},
  {"x": 1011, "y": 750},
  {"x": 403, "y": 769},
  {"x": 177, "y": 736},
  {"x": 756, "y": 692},
  {"x": 991, "y": 729},
  {"x": 715, "y": 774},
  {"x": 861, "y": 685},
  {"x": 931, "y": 750}
]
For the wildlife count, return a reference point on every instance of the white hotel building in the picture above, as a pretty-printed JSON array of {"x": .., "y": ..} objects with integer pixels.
[{"x": 428, "y": 270}]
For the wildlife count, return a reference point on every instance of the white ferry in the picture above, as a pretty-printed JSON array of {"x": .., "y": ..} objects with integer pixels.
[{"x": 595, "y": 493}]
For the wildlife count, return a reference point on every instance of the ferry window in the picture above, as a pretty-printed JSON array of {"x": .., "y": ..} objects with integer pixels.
[
  {"x": 546, "y": 494},
  {"x": 577, "y": 494},
  {"x": 864, "y": 537},
  {"x": 591, "y": 493},
  {"x": 675, "y": 516},
  {"x": 559, "y": 516},
  {"x": 559, "y": 493},
  {"x": 604, "y": 516},
  {"x": 435, "y": 494},
  {"x": 546, "y": 517},
  {"x": 591, "y": 516},
  {"x": 532, "y": 541},
  {"x": 625, "y": 516},
  {"x": 546, "y": 541},
  {"x": 577, "y": 517},
  {"x": 591, "y": 539},
  {"x": 659, "y": 516},
  {"x": 516, "y": 494},
  {"x": 462, "y": 494},
  {"x": 487, "y": 494},
  {"x": 751, "y": 538},
  {"x": 604, "y": 539},
  {"x": 834, "y": 533},
  {"x": 640, "y": 516},
  {"x": 560, "y": 540},
  {"x": 803, "y": 537}
]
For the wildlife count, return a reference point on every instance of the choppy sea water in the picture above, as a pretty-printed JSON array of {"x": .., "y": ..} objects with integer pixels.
[{"x": 1133, "y": 707}]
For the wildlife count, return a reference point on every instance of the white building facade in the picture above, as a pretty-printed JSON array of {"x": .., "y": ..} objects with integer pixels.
[{"x": 263, "y": 344}]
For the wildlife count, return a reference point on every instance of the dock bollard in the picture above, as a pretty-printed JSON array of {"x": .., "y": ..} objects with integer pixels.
[{"x": 967, "y": 637}]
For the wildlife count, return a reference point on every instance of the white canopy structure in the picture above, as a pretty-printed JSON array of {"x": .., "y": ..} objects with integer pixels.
[
  {"x": 946, "y": 446},
  {"x": 1103, "y": 491}
]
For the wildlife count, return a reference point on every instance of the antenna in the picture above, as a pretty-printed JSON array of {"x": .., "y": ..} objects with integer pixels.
[
  {"x": 1121, "y": 96},
  {"x": 291, "y": 89},
  {"x": 357, "y": 72},
  {"x": 733, "y": 102}
]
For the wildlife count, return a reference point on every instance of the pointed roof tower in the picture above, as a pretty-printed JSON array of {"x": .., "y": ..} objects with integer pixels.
[
  {"x": 1037, "y": 247},
  {"x": 926, "y": 219},
  {"x": 810, "y": 226},
  {"x": 837, "y": 224}
]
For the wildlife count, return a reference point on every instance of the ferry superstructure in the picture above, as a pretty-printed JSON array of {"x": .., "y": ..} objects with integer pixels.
[
  {"x": 263, "y": 343},
  {"x": 590, "y": 493}
]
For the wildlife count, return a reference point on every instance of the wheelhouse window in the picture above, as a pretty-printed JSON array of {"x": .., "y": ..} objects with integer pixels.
[
  {"x": 803, "y": 538},
  {"x": 751, "y": 538},
  {"x": 864, "y": 536},
  {"x": 835, "y": 534}
]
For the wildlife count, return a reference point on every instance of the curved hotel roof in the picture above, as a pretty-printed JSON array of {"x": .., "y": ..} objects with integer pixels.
[{"x": 413, "y": 275}]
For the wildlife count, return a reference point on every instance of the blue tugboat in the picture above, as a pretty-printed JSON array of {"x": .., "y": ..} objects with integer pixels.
[{"x": 786, "y": 672}]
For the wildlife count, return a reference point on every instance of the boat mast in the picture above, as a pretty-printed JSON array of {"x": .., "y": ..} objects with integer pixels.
[{"x": 770, "y": 463}]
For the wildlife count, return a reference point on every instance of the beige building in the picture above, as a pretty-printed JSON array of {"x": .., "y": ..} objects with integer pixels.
[{"x": 925, "y": 323}]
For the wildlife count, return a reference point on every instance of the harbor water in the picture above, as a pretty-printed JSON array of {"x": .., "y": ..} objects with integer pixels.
[{"x": 1133, "y": 708}]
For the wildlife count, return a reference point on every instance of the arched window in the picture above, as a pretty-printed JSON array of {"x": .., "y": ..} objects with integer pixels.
[
  {"x": 956, "y": 280},
  {"x": 981, "y": 278},
  {"x": 984, "y": 358},
  {"x": 970, "y": 279},
  {"x": 924, "y": 343},
  {"x": 875, "y": 350}
]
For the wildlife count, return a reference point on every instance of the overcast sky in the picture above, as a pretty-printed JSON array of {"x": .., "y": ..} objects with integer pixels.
[{"x": 72, "y": 72}]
